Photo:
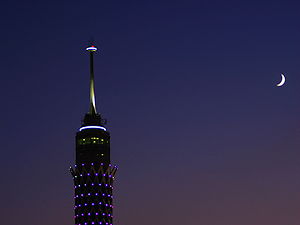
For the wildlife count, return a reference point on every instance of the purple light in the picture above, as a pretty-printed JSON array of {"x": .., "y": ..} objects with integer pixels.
[{"x": 92, "y": 127}]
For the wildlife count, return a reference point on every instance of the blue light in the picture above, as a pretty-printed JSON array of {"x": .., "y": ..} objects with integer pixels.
[{"x": 92, "y": 127}]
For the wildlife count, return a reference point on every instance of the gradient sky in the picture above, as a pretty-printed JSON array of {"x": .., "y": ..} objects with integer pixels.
[{"x": 200, "y": 132}]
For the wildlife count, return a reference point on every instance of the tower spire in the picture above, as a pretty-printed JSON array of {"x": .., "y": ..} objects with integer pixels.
[
  {"x": 92, "y": 49},
  {"x": 93, "y": 174}
]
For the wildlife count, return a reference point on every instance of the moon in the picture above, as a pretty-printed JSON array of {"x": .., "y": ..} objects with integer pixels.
[{"x": 282, "y": 81}]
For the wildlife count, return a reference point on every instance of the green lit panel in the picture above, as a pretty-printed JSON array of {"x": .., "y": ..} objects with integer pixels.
[{"x": 91, "y": 140}]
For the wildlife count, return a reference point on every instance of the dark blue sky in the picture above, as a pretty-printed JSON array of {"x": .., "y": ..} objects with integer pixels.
[{"x": 200, "y": 131}]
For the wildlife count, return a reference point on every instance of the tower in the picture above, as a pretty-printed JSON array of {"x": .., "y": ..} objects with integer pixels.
[{"x": 93, "y": 174}]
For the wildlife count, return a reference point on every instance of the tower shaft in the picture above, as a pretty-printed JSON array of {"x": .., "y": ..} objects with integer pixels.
[{"x": 93, "y": 173}]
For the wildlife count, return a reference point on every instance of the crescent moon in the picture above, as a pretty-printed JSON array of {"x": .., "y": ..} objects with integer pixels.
[{"x": 282, "y": 81}]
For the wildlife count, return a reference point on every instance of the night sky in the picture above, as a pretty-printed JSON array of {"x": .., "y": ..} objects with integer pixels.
[{"x": 199, "y": 130}]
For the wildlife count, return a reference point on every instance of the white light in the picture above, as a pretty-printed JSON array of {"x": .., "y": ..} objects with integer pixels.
[
  {"x": 92, "y": 127},
  {"x": 92, "y": 48}
]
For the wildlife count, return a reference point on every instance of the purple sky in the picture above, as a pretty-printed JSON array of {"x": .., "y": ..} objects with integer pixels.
[{"x": 200, "y": 132}]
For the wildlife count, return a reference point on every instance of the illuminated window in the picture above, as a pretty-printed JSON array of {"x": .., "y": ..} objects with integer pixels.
[{"x": 90, "y": 140}]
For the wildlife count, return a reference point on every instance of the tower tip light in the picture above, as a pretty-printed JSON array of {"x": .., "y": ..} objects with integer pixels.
[{"x": 91, "y": 48}]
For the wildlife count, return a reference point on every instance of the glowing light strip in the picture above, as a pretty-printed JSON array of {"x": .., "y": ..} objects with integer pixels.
[
  {"x": 92, "y": 127},
  {"x": 92, "y": 48}
]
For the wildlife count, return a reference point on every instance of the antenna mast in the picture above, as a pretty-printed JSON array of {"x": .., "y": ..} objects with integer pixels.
[{"x": 92, "y": 49}]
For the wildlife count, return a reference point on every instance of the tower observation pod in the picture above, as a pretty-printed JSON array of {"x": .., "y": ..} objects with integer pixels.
[{"x": 93, "y": 173}]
